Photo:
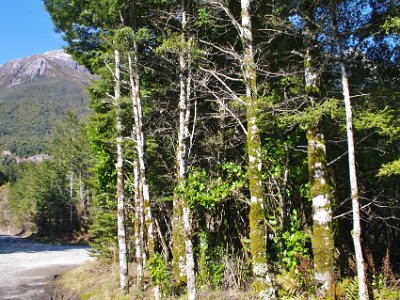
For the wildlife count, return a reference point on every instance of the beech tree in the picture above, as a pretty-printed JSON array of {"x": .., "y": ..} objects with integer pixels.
[{"x": 322, "y": 231}]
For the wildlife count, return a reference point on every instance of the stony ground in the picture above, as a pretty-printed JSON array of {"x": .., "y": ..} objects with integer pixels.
[{"x": 28, "y": 268}]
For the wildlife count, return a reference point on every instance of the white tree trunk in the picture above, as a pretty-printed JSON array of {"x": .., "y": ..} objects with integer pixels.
[
  {"x": 71, "y": 199},
  {"x": 82, "y": 192},
  {"x": 123, "y": 262},
  {"x": 191, "y": 278},
  {"x": 362, "y": 283},
  {"x": 139, "y": 220},
  {"x": 140, "y": 146}
]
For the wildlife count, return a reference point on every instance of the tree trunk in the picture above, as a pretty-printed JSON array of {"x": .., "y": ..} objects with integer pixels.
[
  {"x": 138, "y": 226},
  {"x": 123, "y": 262},
  {"x": 182, "y": 229},
  {"x": 322, "y": 233},
  {"x": 71, "y": 200},
  {"x": 362, "y": 282},
  {"x": 82, "y": 193},
  {"x": 140, "y": 146},
  {"x": 258, "y": 235}
]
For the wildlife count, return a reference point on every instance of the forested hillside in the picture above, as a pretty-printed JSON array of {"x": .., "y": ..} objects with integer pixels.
[
  {"x": 246, "y": 146},
  {"x": 35, "y": 94}
]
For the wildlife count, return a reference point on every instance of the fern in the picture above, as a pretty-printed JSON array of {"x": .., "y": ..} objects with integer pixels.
[
  {"x": 387, "y": 293},
  {"x": 290, "y": 287},
  {"x": 347, "y": 289}
]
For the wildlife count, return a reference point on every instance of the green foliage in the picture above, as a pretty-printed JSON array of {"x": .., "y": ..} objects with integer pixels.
[
  {"x": 203, "y": 18},
  {"x": 10, "y": 170},
  {"x": 103, "y": 231},
  {"x": 175, "y": 44},
  {"x": 159, "y": 273},
  {"x": 383, "y": 121},
  {"x": 201, "y": 189},
  {"x": 20, "y": 200},
  {"x": 216, "y": 182},
  {"x": 45, "y": 196},
  {"x": 348, "y": 288},
  {"x": 292, "y": 244},
  {"x": 211, "y": 267},
  {"x": 386, "y": 293},
  {"x": 388, "y": 169},
  {"x": 392, "y": 25},
  {"x": 39, "y": 197},
  {"x": 5, "y": 215},
  {"x": 125, "y": 37},
  {"x": 312, "y": 116},
  {"x": 29, "y": 112},
  {"x": 291, "y": 288}
]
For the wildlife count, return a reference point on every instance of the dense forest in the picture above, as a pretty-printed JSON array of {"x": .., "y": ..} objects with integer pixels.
[
  {"x": 30, "y": 111},
  {"x": 232, "y": 145}
]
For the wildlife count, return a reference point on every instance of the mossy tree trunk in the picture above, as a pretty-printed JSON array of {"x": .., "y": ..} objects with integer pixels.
[
  {"x": 322, "y": 233},
  {"x": 183, "y": 256},
  {"x": 258, "y": 235},
  {"x": 362, "y": 282},
  {"x": 122, "y": 250},
  {"x": 134, "y": 79},
  {"x": 321, "y": 194}
]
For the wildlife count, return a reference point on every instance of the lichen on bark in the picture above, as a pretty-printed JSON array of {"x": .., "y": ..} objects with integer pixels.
[
  {"x": 322, "y": 232},
  {"x": 178, "y": 237}
]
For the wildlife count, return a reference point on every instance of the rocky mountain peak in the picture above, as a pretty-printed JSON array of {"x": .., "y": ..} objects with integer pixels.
[
  {"x": 50, "y": 64},
  {"x": 36, "y": 92}
]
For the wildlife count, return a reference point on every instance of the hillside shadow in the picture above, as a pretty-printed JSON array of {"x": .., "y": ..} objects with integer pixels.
[{"x": 11, "y": 244}]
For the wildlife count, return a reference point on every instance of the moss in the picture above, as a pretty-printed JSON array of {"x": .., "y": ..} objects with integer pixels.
[
  {"x": 308, "y": 63},
  {"x": 256, "y": 214},
  {"x": 317, "y": 164},
  {"x": 322, "y": 237},
  {"x": 257, "y": 235},
  {"x": 313, "y": 90},
  {"x": 259, "y": 286},
  {"x": 148, "y": 223},
  {"x": 178, "y": 241},
  {"x": 323, "y": 249}
]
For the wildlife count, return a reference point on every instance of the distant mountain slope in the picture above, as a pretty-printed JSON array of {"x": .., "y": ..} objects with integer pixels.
[{"x": 36, "y": 92}]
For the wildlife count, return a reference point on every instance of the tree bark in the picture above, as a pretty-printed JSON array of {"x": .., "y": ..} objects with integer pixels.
[
  {"x": 362, "y": 282},
  {"x": 140, "y": 146},
  {"x": 123, "y": 261},
  {"x": 258, "y": 235},
  {"x": 322, "y": 232},
  {"x": 183, "y": 256},
  {"x": 71, "y": 200},
  {"x": 138, "y": 226}
]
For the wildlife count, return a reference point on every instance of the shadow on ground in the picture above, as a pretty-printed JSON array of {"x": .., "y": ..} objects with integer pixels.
[{"x": 10, "y": 245}]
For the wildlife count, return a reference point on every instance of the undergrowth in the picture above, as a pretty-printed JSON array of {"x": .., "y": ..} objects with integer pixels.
[{"x": 100, "y": 281}]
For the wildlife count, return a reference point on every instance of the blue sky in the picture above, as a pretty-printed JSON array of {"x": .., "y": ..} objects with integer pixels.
[{"x": 25, "y": 29}]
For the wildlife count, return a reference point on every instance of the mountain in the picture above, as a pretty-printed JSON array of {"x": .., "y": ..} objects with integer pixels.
[{"x": 35, "y": 93}]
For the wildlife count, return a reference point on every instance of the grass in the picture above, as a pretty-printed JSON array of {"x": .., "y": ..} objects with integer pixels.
[
  {"x": 100, "y": 281},
  {"x": 94, "y": 280}
]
